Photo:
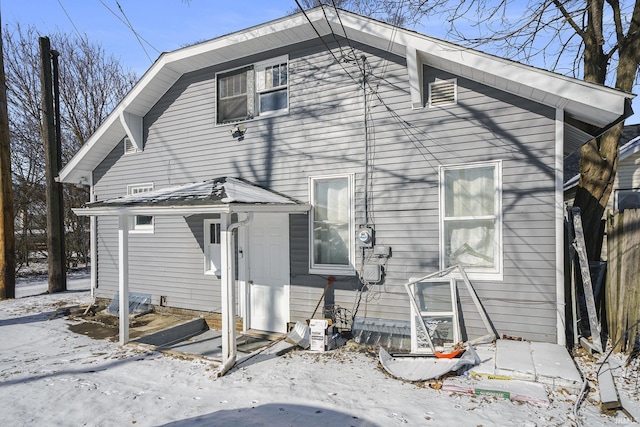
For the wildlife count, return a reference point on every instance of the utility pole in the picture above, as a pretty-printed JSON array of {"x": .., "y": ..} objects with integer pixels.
[
  {"x": 53, "y": 160},
  {"x": 7, "y": 236}
]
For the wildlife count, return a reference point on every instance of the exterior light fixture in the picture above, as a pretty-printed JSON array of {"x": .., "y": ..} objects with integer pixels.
[{"x": 238, "y": 132}]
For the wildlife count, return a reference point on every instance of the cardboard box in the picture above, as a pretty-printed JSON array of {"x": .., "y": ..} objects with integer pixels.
[{"x": 322, "y": 335}]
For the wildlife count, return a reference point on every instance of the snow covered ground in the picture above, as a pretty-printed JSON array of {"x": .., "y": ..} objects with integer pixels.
[{"x": 50, "y": 376}]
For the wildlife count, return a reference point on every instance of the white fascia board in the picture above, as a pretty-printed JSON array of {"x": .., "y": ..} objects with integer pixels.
[{"x": 630, "y": 148}]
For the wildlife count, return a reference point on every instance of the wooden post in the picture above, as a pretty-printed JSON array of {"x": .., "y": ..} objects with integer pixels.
[
  {"x": 7, "y": 236},
  {"x": 55, "y": 215}
]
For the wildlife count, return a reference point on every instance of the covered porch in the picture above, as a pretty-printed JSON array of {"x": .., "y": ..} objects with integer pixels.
[{"x": 237, "y": 203}]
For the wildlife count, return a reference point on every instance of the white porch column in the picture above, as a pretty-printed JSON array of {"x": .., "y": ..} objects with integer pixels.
[
  {"x": 227, "y": 291},
  {"x": 123, "y": 277}
]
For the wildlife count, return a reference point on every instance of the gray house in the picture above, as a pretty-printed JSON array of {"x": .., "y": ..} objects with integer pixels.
[{"x": 325, "y": 150}]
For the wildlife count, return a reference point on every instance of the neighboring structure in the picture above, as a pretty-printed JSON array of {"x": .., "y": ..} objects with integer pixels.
[
  {"x": 626, "y": 186},
  {"x": 372, "y": 155}
]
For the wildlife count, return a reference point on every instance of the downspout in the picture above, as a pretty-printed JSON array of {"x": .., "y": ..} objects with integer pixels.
[
  {"x": 229, "y": 304},
  {"x": 93, "y": 242},
  {"x": 561, "y": 325}
]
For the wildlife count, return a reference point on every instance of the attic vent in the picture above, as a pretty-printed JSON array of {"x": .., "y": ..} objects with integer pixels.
[
  {"x": 129, "y": 147},
  {"x": 443, "y": 92}
]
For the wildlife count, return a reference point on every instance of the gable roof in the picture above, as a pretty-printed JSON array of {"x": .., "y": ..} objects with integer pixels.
[{"x": 584, "y": 103}]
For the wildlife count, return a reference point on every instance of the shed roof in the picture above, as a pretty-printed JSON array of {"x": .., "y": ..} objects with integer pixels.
[
  {"x": 585, "y": 104},
  {"x": 224, "y": 194}
]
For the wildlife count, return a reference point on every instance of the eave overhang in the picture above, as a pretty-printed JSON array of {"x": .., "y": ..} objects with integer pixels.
[{"x": 585, "y": 103}]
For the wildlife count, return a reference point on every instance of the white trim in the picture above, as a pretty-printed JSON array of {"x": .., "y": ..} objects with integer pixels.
[
  {"x": 123, "y": 278},
  {"x": 497, "y": 272},
  {"x": 328, "y": 268},
  {"x": 559, "y": 227},
  {"x": 93, "y": 242}
]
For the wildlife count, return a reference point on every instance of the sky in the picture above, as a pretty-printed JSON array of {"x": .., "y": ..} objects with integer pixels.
[{"x": 161, "y": 25}]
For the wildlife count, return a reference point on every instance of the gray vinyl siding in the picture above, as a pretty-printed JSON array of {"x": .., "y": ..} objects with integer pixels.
[{"x": 323, "y": 134}]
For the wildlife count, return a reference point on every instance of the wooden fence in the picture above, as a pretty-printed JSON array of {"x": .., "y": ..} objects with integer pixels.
[{"x": 623, "y": 277}]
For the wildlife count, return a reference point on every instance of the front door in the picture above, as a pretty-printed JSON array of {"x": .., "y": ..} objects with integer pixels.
[{"x": 268, "y": 275}]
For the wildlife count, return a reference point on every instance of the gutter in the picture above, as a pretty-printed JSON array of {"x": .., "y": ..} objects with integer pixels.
[{"x": 228, "y": 306}]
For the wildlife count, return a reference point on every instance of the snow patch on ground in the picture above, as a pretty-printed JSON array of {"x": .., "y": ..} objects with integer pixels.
[{"x": 50, "y": 376}]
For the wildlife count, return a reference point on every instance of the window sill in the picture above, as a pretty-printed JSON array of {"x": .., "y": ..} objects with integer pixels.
[{"x": 336, "y": 271}]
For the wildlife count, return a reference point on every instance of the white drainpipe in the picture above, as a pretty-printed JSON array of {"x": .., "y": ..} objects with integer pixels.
[{"x": 229, "y": 303}]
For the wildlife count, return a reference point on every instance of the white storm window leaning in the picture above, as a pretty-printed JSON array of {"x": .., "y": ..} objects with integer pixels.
[
  {"x": 471, "y": 218},
  {"x": 140, "y": 223},
  {"x": 332, "y": 246}
]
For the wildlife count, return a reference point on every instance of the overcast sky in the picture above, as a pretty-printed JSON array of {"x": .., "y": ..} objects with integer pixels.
[{"x": 160, "y": 25}]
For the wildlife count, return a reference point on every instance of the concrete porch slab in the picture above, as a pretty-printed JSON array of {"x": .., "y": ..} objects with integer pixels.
[{"x": 514, "y": 360}]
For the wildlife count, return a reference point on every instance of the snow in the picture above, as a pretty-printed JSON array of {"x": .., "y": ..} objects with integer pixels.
[{"x": 50, "y": 376}]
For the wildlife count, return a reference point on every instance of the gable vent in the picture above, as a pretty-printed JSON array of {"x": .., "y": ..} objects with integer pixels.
[
  {"x": 128, "y": 146},
  {"x": 443, "y": 92}
]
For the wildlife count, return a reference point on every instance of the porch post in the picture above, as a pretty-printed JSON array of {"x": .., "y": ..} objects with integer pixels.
[
  {"x": 227, "y": 297},
  {"x": 123, "y": 277}
]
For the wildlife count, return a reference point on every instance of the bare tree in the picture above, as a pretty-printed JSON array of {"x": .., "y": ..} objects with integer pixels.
[
  {"x": 91, "y": 84},
  {"x": 595, "y": 40}
]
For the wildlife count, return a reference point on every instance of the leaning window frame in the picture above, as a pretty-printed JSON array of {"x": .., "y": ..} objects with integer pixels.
[
  {"x": 256, "y": 68},
  {"x": 333, "y": 268},
  {"x": 133, "y": 226},
  {"x": 477, "y": 273}
]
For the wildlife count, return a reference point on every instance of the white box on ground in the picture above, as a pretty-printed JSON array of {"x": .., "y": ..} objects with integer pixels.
[{"x": 319, "y": 334}]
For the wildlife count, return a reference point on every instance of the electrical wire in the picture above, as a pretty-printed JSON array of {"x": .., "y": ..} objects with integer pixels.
[{"x": 70, "y": 20}]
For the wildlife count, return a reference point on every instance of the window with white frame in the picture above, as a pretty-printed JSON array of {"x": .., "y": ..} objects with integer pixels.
[
  {"x": 141, "y": 223},
  {"x": 212, "y": 247},
  {"x": 256, "y": 90},
  {"x": 471, "y": 219},
  {"x": 331, "y": 224}
]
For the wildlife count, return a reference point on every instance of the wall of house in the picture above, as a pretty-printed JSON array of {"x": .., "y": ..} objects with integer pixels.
[
  {"x": 627, "y": 176},
  {"x": 324, "y": 134}
]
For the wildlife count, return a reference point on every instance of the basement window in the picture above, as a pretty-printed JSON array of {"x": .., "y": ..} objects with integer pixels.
[
  {"x": 140, "y": 223},
  {"x": 443, "y": 92}
]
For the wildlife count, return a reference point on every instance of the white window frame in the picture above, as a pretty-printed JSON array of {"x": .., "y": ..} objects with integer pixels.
[
  {"x": 453, "y": 81},
  {"x": 478, "y": 273},
  {"x": 134, "y": 227},
  {"x": 336, "y": 269},
  {"x": 207, "y": 255},
  {"x": 256, "y": 89}
]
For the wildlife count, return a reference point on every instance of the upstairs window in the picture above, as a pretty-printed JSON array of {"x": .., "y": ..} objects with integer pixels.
[
  {"x": 470, "y": 218},
  {"x": 140, "y": 223},
  {"x": 256, "y": 90}
]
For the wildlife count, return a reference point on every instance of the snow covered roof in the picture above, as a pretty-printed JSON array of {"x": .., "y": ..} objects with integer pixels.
[
  {"x": 223, "y": 194},
  {"x": 584, "y": 104}
]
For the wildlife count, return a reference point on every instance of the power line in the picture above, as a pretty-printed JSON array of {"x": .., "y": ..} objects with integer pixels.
[
  {"x": 70, "y": 20},
  {"x": 130, "y": 27},
  {"x": 325, "y": 44}
]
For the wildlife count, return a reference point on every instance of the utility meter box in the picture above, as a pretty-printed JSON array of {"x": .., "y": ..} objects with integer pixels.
[{"x": 364, "y": 237}]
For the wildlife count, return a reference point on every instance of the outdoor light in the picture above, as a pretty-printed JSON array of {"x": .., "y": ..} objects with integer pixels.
[{"x": 238, "y": 132}]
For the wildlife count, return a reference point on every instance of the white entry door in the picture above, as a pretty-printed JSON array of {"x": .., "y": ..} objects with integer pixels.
[{"x": 268, "y": 275}]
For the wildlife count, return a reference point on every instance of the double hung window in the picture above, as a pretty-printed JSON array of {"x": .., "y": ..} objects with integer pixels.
[
  {"x": 332, "y": 246},
  {"x": 255, "y": 90},
  {"x": 470, "y": 218}
]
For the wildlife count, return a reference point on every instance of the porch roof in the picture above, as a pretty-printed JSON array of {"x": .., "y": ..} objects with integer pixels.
[{"x": 217, "y": 195}]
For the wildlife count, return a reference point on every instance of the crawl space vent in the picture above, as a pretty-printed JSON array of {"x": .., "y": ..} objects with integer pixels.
[{"x": 442, "y": 92}]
